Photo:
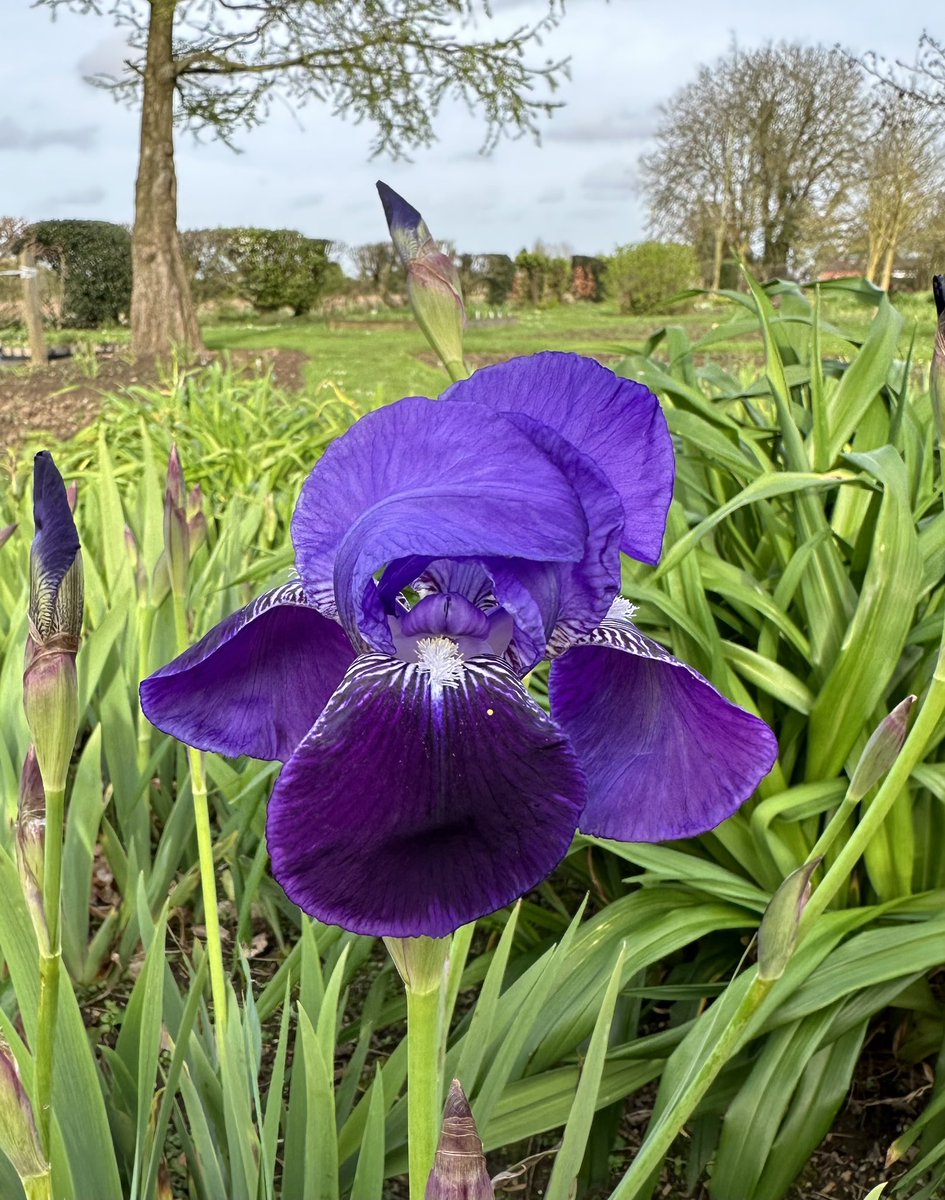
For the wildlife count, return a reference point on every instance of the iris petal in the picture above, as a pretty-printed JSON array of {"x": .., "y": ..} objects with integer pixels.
[
  {"x": 414, "y": 806},
  {"x": 559, "y": 601},
  {"x": 665, "y": 754},
  {"x": 425, "y": 478},
  {"x": 256, "y": 683},
  {"x": 616, "y": 422},
  {"x": 572, "y": 597}
]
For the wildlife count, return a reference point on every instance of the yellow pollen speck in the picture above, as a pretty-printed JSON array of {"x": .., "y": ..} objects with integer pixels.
[{"x": 490, "y": 712}]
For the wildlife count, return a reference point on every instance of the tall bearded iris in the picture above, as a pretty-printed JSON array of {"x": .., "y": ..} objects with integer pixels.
[{"x": 444, "y": 548}]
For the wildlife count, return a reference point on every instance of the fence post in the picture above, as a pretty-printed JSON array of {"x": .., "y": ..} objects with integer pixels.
[{"x": 32, "y": 310}]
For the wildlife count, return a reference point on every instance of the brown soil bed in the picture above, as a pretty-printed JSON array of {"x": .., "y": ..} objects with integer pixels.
[{"x": 64, "y": 396}]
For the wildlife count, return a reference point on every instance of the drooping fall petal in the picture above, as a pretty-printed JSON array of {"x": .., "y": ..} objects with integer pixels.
[
  {"x": 666, "y": 755},
  {"x": 256, "y": 683},
  {"x": 423, "y": 798}
]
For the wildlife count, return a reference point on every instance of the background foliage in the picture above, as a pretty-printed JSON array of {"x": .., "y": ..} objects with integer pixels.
[
  {"x": 804, "y": 572},
  {"x": 268, "y": 268},
  {"x": 642, "y": 278},
  {"x": 92, "y": 260}
]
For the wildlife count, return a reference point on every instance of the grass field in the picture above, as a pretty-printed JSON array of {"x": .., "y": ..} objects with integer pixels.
[{"x": 361, "y": 354}]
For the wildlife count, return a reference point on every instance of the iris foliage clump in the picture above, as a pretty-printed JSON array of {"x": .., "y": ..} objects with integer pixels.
[{"x": 803, "y": 574}]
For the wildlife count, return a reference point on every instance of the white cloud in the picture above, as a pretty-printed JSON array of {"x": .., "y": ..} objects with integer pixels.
[
  {"x": 577, "y": 187},
  {"x": 14, "y": 137}
]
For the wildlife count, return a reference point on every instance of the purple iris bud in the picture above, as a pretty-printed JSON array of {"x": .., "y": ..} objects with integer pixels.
[
  {"x": 176, "y": 527},
  {"x": 50, "y": 689},
  {"x": 55, "y": 565},
  {"x": 444, "y": 548},
  {"x": 433, "y": 285},
  {"x": 31, "y": 842},
  {"x": 19, "y": 1139}
]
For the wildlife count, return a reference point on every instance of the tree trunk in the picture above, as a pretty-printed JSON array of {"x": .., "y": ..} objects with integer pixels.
[
  {"x": 718, "y": 251},
  {"x": 888, "y": 265},
  {"x": 874, "y": 254},
  {"x": 162, "y": 309}
]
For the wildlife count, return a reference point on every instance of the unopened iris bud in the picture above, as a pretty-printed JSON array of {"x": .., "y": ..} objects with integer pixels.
[
  {"x": 882, "y": 749},
  {"x": 137, "y": 564},
  {"x": 176, "y": 531},
  {"x": 72, "y": 496},
  {"x": 459, "y": 1170},
  {"x": 777, "y": 934},
  {"x": 196, "y": 520},
  {"x": 420, "y": 961},
  {"x": 31, "y": 841},
  {"x": 19, "y": 1140},
  {"x": 937, "y": 375},
  {"x": 6, "y": 533},
  {"x": 432, "y": 281},
  {"x": 50, "y": 688}
]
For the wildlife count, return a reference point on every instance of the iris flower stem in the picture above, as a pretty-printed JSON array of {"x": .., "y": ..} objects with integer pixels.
[
  {"x": 456, "y": 369},
  {"x": 665, "y": 1128},
  {"x": 38, "y": 1187},
  {"x": 208, "y": 881},
  {"x": 872, "y": 819},
  {"x": 424, "y": 1070},
  {"x": 834, "y": 826},
  {"x": 50, "y": 961},
  {"x": 144, "y": 657}
]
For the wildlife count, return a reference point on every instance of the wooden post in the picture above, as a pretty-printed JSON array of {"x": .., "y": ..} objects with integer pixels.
[{"x": 32, "y": 310}]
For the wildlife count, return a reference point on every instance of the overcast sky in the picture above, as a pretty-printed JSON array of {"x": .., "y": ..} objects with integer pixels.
[{"x": 68, "y": 150}]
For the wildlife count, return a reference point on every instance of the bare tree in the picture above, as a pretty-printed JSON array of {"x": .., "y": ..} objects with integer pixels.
[
  {"x": 757, "y": 153},
  {"x": 904, "y": 171},
  {"x": 379, "y": 267},
  {"x": 699, "y": 180},
  {"x": 214, "y": 66},
  {"x": 923, "y": 79},
  {"x": 11, "y": 229}
]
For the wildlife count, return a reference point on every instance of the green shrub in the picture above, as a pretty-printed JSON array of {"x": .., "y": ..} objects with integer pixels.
[
  {"x": 271, "y": 268},
  {"x": 557, "y": 279},
  {"x": 533, "y": 268},
  {"x": 93, "y": 262},
  {"x": 499, "y": 277},
  {"x": 642, "y": 277}
]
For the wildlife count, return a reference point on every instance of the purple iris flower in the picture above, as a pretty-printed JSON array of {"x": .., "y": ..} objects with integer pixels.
[{"x": 444, "y": 548}]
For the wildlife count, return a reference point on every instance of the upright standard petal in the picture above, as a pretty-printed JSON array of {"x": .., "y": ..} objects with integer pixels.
[
  {"x": 426, "y": 795},
  {"x": 256, "y": 683},
  {"x": 665, "y": 754},
  {"x": 616, "y": 422},
  {"x": 421, "y": 478},
  {"x": 547, "y": 600}
]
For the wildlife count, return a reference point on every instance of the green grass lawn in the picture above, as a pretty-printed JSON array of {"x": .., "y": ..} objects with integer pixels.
[{"x": 387, "y": 352}]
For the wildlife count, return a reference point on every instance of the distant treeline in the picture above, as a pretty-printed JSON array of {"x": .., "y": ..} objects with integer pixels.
[{"x": 87, "y": 277}]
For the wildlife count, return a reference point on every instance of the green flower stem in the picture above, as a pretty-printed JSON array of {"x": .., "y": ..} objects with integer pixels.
[
  {"x": 146, "y": 618},
  {"x": 457, "y": 369},
  {"x": 668, "y": 1124},
  {"x": 872, "y": 819},
  {"x": 834, "y": 826},
  {"x": 38, "y": 1187},
  {"x": 50, "y": 962},
  {"x": 424, "y": 1084},
  {"x": 208, "y": 881}
]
